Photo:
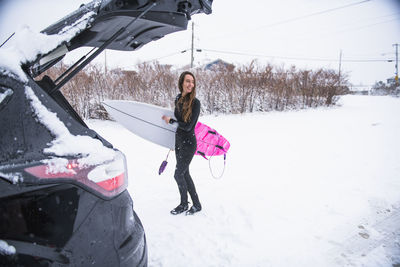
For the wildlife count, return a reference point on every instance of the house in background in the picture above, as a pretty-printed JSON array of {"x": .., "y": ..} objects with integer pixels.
[
  {"x": 360, "y": 89},
  {"x": 391, "y": 81},
  {"x": 219, "y": 64}
]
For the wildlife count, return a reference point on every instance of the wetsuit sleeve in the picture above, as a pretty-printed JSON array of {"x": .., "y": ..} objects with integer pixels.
[
  {"x": 172, "y": 120},
  {"x": 188, "y": 126}
]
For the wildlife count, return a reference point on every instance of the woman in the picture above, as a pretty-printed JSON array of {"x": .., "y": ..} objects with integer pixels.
[{"x": 187, "y": 110}]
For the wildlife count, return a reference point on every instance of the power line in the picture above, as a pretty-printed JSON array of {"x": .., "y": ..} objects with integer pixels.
[
  {"x": 351, "y": 28},
  {"x": 295, "y": 18},
  {"x": 294, "y": 58},
  {"x": 312, "y": 14},
  {"x": 239, "y": 53},
  {"x": 368, "y": 25}
]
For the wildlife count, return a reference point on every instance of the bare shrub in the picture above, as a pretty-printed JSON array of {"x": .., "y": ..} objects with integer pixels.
[{"x": 247, "y": 88}]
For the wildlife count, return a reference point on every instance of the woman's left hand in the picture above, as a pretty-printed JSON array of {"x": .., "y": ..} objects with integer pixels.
[{"x": 166, "y": 119}]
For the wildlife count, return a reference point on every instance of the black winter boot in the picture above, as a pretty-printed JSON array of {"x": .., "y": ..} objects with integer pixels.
[
  {"x": 179, "y": 209},
  {"x": 193, "y": 210}
]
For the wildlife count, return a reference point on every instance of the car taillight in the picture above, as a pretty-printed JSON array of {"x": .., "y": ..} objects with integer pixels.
[{"x": 109, "y": 178}]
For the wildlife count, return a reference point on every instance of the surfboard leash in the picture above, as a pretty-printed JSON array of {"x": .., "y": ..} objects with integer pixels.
[
  {"x": 209, "y": 159},
  {"x": 209, "y": 166},
  {"x": 163, "y": 164}
]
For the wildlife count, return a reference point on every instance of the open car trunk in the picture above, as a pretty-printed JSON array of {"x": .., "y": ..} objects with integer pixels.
[{"x": 124, "y": 25}]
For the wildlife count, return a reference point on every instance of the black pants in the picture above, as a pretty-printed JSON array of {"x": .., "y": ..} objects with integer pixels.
[{"x": 185, "y": 147}]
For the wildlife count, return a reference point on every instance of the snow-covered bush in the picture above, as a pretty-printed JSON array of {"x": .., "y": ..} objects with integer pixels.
[{"x": 247, "y": 88}]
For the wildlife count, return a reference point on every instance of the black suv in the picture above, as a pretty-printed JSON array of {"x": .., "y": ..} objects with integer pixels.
[{"x": 63, "y": 197}]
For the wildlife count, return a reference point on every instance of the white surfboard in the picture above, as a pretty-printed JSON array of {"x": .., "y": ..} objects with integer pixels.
[{"x": 144, "y": 120}]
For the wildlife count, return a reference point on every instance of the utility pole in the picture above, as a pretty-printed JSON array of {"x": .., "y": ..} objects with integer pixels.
[
  {"x": 340, "y": 64},
  {"x": 192, "y": 55},
  {"x": 397, "y": 64},
  {"x": 105, "y": 61}
]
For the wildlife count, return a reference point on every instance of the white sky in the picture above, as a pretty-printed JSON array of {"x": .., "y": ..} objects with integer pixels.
[{"x": 304, "y": 33}]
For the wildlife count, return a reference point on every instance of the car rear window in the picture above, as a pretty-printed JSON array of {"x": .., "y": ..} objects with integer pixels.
[{"x": 5, "y": 96}]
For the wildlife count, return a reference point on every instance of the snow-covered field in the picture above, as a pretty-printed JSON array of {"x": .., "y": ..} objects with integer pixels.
[{"x": 316, "y": 187}]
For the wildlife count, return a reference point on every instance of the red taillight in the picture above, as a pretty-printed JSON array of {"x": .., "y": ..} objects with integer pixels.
[
  {"x": 45, "y": 172},
  {"x": 112, "y": 183},
  {"x": 109, "y": 178}
]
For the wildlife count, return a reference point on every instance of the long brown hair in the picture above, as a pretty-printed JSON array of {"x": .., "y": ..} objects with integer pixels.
[{"x": 187, "y": 100}]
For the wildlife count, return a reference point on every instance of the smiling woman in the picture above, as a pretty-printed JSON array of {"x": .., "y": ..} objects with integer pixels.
[{"x": 187, "y": 111}]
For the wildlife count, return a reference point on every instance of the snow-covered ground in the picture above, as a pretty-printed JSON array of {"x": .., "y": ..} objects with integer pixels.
[{"x": 316, "y": 187}]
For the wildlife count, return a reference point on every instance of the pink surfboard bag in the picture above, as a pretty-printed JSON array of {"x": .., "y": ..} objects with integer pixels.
[{"x": 209, "y": 141}]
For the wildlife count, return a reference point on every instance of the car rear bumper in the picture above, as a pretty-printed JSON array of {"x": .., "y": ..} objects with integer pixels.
[{"x": 97, "y": 232}]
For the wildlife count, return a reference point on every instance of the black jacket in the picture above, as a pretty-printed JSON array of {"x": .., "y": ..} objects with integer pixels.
[{"x": 186, "y": 127}]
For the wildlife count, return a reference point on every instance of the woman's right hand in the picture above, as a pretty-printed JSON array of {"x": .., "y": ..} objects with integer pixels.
[{"x": 166, "y": 119}]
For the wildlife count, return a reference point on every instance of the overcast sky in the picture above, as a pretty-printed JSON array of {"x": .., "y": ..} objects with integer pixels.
[{"x": 304, "y": 33}]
